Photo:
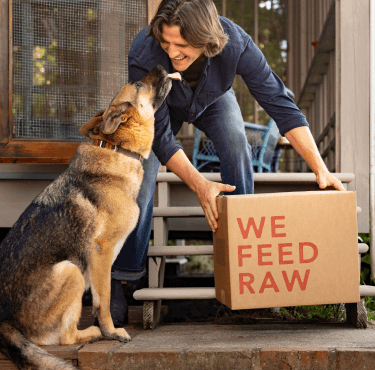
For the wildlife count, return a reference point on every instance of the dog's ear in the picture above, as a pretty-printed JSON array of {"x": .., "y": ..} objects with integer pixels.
[
  {"x": 112, "y": 118},
  {"x": 91, "y": 123}
]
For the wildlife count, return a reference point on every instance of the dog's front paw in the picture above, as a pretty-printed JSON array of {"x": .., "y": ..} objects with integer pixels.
[{"x": 119, "y": 334}]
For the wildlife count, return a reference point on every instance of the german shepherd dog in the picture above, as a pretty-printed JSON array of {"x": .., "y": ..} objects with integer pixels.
[{"x": 69, "y": 236}]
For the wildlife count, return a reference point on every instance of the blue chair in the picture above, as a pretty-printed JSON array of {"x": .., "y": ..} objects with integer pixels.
[{"x": 263, "y": 141}]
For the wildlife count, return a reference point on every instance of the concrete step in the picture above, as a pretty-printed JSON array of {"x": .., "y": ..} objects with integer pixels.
[
  {"x": 222, "y": 347},
  {"x": 269, "y": 345}
]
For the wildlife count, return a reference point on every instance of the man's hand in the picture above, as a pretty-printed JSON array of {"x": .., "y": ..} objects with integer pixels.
[
  {"x": 206, "y": 192},
  {"x": 327, "y": 180},
  {"x": 303, "y": 142}
]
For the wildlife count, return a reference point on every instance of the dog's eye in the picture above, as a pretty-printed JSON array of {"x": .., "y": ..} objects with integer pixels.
[{"x": 138, "y": 85}]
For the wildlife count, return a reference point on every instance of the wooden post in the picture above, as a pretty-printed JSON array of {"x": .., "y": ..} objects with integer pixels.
[
  {"x": 224, "y": 8},
  {"x": 256, "y": 41},
  {"x": 152, "y": 309},
  {"x": 353, "y": 98},
  {"x": 152, "y": 7},
  {"x": 5, "y": 70}
]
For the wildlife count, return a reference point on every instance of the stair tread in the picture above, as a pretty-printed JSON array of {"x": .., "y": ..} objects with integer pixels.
[
  {"x": 174, "y": 293},
  {"x": 261, "y": 177}
]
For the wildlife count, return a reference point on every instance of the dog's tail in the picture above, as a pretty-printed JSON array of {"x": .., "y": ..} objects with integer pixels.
[{"x": 25, "y": 354}]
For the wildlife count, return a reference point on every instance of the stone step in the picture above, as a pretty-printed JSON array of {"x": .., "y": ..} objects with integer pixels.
[
  {"x": 274, "y": 345},
  {"x": 227, "y": 347}
]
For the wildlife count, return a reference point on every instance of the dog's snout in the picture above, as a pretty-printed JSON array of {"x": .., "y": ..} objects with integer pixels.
[
  {"x": 156, "y": 75},
  {"x": 161, "y": 84}
]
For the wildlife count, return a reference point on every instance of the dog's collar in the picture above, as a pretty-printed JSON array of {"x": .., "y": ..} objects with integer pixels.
[{"x": 117, "y": 148}]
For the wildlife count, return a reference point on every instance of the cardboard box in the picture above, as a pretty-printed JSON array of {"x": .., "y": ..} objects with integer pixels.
[{"x": 286, "y": 249}]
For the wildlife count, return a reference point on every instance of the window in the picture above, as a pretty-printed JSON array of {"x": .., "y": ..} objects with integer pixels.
[{"x": 67, "y": 59}]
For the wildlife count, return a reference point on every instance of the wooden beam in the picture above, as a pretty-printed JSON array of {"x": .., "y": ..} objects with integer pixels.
[
  {"x": 224, "y": 8},
  {"x": 152, "y": 7},
  {"x": 291, "y": 55},
  {"x": 38, "y": 152},
  {"x": 256, "y": 40},
  {"x": 5, "y": 70}
]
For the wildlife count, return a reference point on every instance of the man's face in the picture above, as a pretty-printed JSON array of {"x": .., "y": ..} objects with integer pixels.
[{"x": 181, "y": 53}]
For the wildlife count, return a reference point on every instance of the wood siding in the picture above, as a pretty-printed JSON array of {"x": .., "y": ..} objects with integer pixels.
[
  {"x": 353, "y": 103},
  {"x": 328, "y": 70},
  {"x": 4, "y": 72}
]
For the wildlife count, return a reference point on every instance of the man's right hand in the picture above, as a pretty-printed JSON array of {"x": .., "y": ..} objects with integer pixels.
[{"x": 206, "y": 192}]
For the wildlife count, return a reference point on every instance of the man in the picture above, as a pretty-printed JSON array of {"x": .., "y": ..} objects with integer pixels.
[{"x": 188, "y": 36}]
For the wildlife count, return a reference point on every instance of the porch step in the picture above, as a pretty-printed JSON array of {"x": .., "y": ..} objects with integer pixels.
[
  {"x": 154, "y": 294},
  {"x": 261, "y": 177},
  {"x": 191, "y": 250},
  {"x": 186, "y": 250},
  {"x": 367, "y": 291},
  {"x": 187, "y": 211},
  {"x": 178, "y": 212},
  {"x": 51, "y": 172},
  {"x": 254, "y": 346}
]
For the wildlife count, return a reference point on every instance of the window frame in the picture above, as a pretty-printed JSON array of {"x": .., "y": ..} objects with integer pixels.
[{"x": 13, "y": 150}]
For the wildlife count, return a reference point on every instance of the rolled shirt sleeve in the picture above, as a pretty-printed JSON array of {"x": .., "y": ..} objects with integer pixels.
[{"x": 268, "y": 89}]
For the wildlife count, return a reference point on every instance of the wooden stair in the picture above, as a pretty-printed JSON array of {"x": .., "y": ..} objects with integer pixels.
[{"x": 176, "y": 208}]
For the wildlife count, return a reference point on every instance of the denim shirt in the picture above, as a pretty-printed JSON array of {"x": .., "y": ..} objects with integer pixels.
[{"x": 240, "y": 56}]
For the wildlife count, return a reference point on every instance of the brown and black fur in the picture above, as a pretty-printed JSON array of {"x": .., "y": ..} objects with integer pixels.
[{"x": 67, "y": 239}]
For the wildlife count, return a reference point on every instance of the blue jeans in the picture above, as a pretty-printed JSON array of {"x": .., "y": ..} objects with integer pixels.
[{"x": 222, "y": 122}]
